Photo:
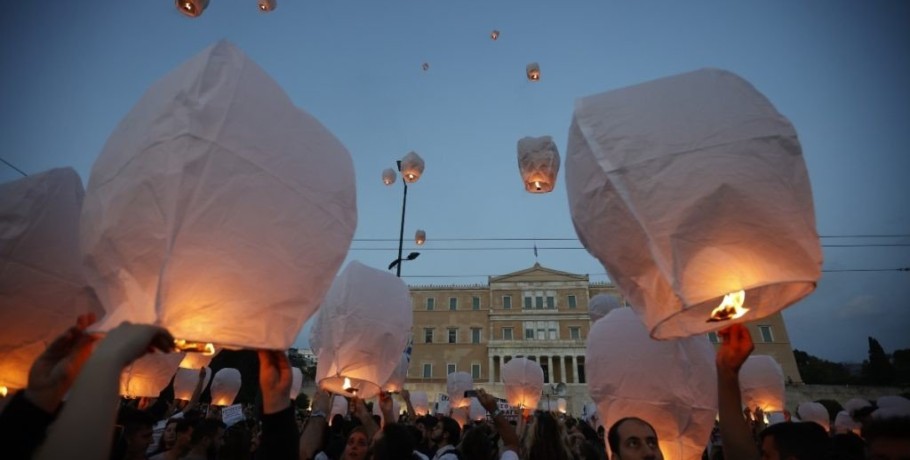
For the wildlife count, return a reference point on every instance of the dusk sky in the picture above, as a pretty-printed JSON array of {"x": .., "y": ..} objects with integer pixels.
[{"x": 838, "y": 69}]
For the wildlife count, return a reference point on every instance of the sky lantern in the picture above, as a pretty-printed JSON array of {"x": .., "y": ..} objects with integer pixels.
[
  {"x": 523, "y": 381},
  {"x": 339, "y": 407},
  {"x": 814, "y": 412},
  {"x": 672, "y": 384},
  {"x": 185, "y": 382},
  {"x": 561, "y": 405},
  {"x": 442, "y": 408},
  {"x": 267, "y": 5},
  {"x": 601, "y": 304},
  {"x": 761, "y": 382},
  {"x": 396, "y": 381},
  {"x": 533, "y": 71},
  {"x": 420, "y": 237},
  {"x": 476, "y": 411},
  {"x": 215, "y": 170},
  {"x": 296, "y": 381},
  {"x": 225, "y": 386},
  {"x": 411, "y": 167},
  {"x": 456, "y": 384},
  {"x": 703, "y": 172},
  {"x": 425, "y": 66},
  {"x": 150, "y": 374},
  {"x": 420, "y": 402},
  {"x": 494, "y": 35},
  {"x": 388, "y": 176},
  {"x": 198, "y": 360},
  {"x": 538, "y": 162},
  {"x": 42, "y": 289},
  {"x": 192, "y": 8},
  {"x": 843, "y": 423},
  {"x": 365, "y": 322}
]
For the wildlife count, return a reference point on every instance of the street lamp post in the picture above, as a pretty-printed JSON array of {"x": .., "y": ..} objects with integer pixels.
[{"x": 411, "y": 168}]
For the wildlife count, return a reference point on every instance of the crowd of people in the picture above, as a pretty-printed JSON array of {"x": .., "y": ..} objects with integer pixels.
[{"x": 94, "y": 422}]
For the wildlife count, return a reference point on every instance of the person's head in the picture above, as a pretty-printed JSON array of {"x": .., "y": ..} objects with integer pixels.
[
  {"x": 632, "y": 438},
  {"x": 170, "y": 435},
  {"x": 794, "y": 441},
  {"x": 546, "y": 439},
  {"x": 425, "y": 424},
  {"x": 207, "y": 437},
  {"x": 357, "y": 445},
  {"x": 183, "y": 431},
  {"x": 393, "y": 443},
  {"x": 477, "y": 444},
  {"x": 887, "y": 439},
  {"x": 137, "y": 430},
  {"x": 446, "y": 432},
  {"x": 847, "y": 446}
]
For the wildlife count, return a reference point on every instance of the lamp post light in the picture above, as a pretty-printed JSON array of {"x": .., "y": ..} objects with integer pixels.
[{"x": 411, "y": 168}]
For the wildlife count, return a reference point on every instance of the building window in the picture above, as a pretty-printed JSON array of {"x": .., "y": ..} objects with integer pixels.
[
  {"x": 450, "y": 368},
  {"x": 475, "y": 371},
  {"x": 551, "y": 302},
  {"x": 453, "y": 303},
  {"x": 506, "y": 302},
  {"x": 475, "y": 303},
  {"x": 581, "y": 372},
  {"x": 541, "y": 330},
  {"x": 713, "y": 337},
  {"x": 527, "y": 302},
  {"x": 575, "y": 333},
  {"x": 475, "y": 335},
  {"x": 431, "y": 304},
  {"x": 428, "y": 335},
  {"x": 529, "y": 334},
  {"x": 766, "y": 335},
  {"x": 538, "y": 302},
  {"x": 453, "y": 335},
  {"x": 572, "y": 302},
  {"x": 507, "y": 333},
  {"x": 427, "y": 371}
]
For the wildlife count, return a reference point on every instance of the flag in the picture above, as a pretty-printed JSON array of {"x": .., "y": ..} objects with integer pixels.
[{"x": 535, "y": 249}]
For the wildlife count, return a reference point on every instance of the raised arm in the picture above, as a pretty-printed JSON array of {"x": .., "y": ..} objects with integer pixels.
[
  {"x": 506, "y": 433},
  {"x": 313, "y": 431},
  {"x": 734, "y": 431}
]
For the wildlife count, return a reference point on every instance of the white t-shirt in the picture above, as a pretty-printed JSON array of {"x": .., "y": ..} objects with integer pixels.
[
  {"x": 508, "y": 455},
  {"x": 446, "y": 453}
]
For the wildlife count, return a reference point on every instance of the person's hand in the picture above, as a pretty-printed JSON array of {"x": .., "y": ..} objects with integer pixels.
[
  {"x": 129, "y": 342},
  {"x": 321, "y": 401},
  {"x": 274, "y": 381},
  {"x": 54, "y": 371},
  {"x": 406, "y": 395},
  {"x": 385, "y": 405},
  {"x": 487, "y": 400},
  {"x": 736, "y": 346}
]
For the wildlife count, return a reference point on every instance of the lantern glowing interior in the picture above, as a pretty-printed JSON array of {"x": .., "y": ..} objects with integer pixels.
[
  {"x": 702, "y": 171},
  {"x": 364, "y": 324},
  {"x": 396, "y": 381},
  {"x": 814, "y": 412},
  {"x": 225, "y": 386},
  {"x": 533, "y": 71},
  {"x": 296, "y": 381},
  {"x": 388, "y": 176},
  {"x": 456, "y": 384},
  {"x": 192, "y": 8},
  {"x": 420, "y": 237},
  {"x": 761, "y": 381},
  {"x": 267, "y": 5},
  {"x": 476, "y": 411},
  {"x": 538, "y": 162},
  {"x": 215, "y": 169},
  {"x": 150, "y": 374},
  {"x": 672, "y": 384},
  {"x": 461, "y": 415},
  {"x": 197, "y": 360},
  {"x": 185, "y": 382},
  {"x": 42, "y": 289},
  {"x": 601, "y": 304},
  {"x": 421, "y": 403},
  {"x": 523, "y": 380},
  {"x": 411, "y": 167},
  {"x": 561, "y": 405},
  {"x": 494, "y": 35}
]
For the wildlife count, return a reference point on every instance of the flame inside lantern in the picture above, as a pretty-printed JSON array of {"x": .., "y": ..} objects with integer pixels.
[
  {"x": 348, "y": 387},
  {"x": 730, "y": 308},
  {"x": 207, "y": 349},
  {"x": 3, "y": 391}
]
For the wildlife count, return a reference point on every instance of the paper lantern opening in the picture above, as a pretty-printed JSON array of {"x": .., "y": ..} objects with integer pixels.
[
  {"x": 267, "y": 5},
  {"x": 388, "y": 176},
  {"x": 192, "y": 8},
  {"x": 206, "y": 349},
  {"x": 494, "y": 35},
  {"x": 411, "y": 167},
  {"x": 730, "y": 308},
  {"x": 533, "y": 71},
  {"x": 420, "y": 237},
  {"x": 538, "y": 163}
]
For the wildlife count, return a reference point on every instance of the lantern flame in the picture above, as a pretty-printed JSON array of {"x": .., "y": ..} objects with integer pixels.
[
  {"x": 188, "y": 6},
  {"x": 348, "y": 387},
  {"x": 207, "y": 349},
  {"x": 494, "y": 34},
  {"x": 730, "y": 308},
  {"x": 3, "y": 391}
]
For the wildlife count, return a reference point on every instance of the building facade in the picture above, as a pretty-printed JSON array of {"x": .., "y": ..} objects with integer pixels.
[{"x": 539, "y": 313}]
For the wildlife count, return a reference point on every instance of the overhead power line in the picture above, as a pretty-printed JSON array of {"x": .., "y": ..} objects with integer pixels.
[
  {"x": 905, "y": 235},
  {"x": 575, "y": 248},
  {"x": 14, "y": 167},
  {"x": 833, "y": 270}
]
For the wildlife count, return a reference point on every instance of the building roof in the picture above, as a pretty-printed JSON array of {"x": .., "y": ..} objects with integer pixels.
[{"x": 538, "y": 273}]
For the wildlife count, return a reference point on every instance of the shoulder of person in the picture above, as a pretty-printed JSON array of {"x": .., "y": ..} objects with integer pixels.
[{"x": 508, "y": 455}]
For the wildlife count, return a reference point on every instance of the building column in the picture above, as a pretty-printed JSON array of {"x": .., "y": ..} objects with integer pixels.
[
  {"x": 562, "y": 369},
  {"x": 577, "y": 362},
  {"x": 551, "y": 369},
  {"x": 572, "y": 362},
  {"x": 490, "y": 375}
]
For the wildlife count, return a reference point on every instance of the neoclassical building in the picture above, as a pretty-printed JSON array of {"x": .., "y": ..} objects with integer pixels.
[{"x": 538, "y": 313}]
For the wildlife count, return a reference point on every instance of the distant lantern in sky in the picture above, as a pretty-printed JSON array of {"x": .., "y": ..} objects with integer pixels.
[
  {"x": 538, "y": 163},
  {"x": 425, "y": 66},
  {"x": 267, "y": 5},
  {"x": 533, "y": 71},
  {"x": 494, "y": 35},
  {"x": 225, "y": 386},
  {"x": 420, "y": 237},
  {"x": 162, "y": 236},
  {"x": 364, "y": 324},
  {"x": 761, "y": 381},
  {"x": 672, "y": 384},
  {"x": 456, "y": 384},
  {"x": 150, "y": 374},
  {"x": 185, "y": 382},
  {"x": 704, "y": 171},
  {"x": 192, "y": 8},
  {"x": 523, "y": 382},
  {"x": 42, "y": 288},
  {"x": 388, "y": 176},
  {"x": 601, "y": 304},
  {"x": 411, "y": 167}
]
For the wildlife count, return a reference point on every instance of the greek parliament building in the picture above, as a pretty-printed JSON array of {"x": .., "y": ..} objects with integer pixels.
[{"x": 538, "y": 313}]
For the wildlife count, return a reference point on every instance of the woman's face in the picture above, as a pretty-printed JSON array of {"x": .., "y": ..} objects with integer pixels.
[
  {"x": 170, "y": 434},
  {"x": 357, "y": 446}
]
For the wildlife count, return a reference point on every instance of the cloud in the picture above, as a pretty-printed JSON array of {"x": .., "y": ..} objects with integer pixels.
[{"x": 858, "y": 307}]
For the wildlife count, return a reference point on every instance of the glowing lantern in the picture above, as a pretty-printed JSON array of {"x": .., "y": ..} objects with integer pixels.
[
  {"x": 814, "y": 412},
  {"x": 212, "y": 170},
  {"x": 296, "y": 381},
  {"x": 561, "y": 405},
  {"x": 364, "y": 326},
  {"x": 192, "y": 8},
  {"x": 476, "y": 411},
  {"x": 339, "y": 407},
  {"x": 533, "y": 71},
  {"x": 411, "y": 167},
  {"x": 225, "y": 386},
  {"x": 893, "y": 401},
  {"x": 420, "y": 402},
  {"x": 42, "y": 289},
  {"x": 267, "y": 5},
  {"x": 672, "y": 384},
  {"x": 703, "y": 171},
  {"x": 523, "y": 380},
  {"x": 396, "y": 410},
  {"x": 843, "y": 423},
  {"x": 396, "y": 381},
  {"x": 388, "y": 176},
  {"x": 461, "y": 415},
  {"x": 761, "y": 381},
  {"x": 197, "y": 360},
  {"x": 601, "y": 304},
  {"x": 420, "y": 237},
  {"x": 185, "y": 382},
  {"x": 442, "y": 407},
  {"x": 456, "y": 384},
  {"x": 538, "y": 162},
  {"x": 150, "y": 374},
  {"x": 494, "y": 35},
  {"x": 425, "y": 66}
]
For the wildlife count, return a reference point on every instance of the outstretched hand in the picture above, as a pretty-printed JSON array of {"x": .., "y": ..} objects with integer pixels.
[
  {"x": 736, "y": 346},
  {"x": 487, "y": 400},
  {"x": 54, "y": 371},
  {"x": 129, "y": 342},
  {"x": 321, "y": 401},
  {"x": 274, "y": 381}
]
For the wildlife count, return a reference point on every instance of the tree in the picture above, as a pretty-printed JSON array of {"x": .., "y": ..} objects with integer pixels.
[
  {"x": 878, "y": 370},
  {"x": 818, "y": 371}
]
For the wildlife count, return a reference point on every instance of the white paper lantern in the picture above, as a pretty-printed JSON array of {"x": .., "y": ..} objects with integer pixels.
[
  {"x": 601, "y": 304},
  {"x": 523, "y": 380},
  {"x": 197, "y": 360},
  {"x": 761, "y": 381},
  {"x": 192, "y": 8},
  {"x": 185, "y": 382},
  {"x": 814, "y": 412},
  {"x": 856, "y": 404},
  {"x": 670, "y": 384},
  {"x": 225, "y": 386},
  {"x": 396, "y": 381},
  {"x": 339, "y": 407},
  {"x": 411, "y": 167},
  {"x": 893, "y": 401},
  {"x": 476, "y": 410},
  {"x": 843, "y": 423},
  {"x": 388, "y": 176},
  {"x": 296, "y": 381},
  {"x": 42, "y": 289},
  {"x": 150, "y": 374},
  {"x": 532, "y": 70},
  {"x": 365, "y": 323},
  {"x": 420, "y": 237},
  {"x": 443, "y": 408},
  {"x": 218, "y": 209},
  {"x": 420, "y": 402},
  {"x": 690, "y": 188},
  {"x": 538, "y": 163},
  {"x": 456, "y": 384},
  {"x": 561, "y": 405}
]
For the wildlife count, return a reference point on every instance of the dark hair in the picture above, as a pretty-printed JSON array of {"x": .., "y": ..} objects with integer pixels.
[
  {"x": 237, "y": 442},
  {"x": 548, "y": 441},
  {"x": 591, "y": 451},
  {"x": 891, "y": 428},
  {"x": 847, "y": 446},
  {"x": 395, "y": 444},
  {"x": 802, "y": 440},
  {"x": 613, "y": 434},
  {"x": 451, "y": 428},
  {"x": 477, "y": 444},
  {"x": 428, "y": 421},
  {"x": 206, "y": 428},
  {"x": 134, "y": 420}
]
